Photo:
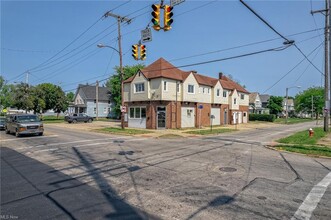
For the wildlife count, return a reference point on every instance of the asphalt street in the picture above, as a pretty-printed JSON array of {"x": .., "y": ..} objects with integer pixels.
[{"x": 70, "y": 174}]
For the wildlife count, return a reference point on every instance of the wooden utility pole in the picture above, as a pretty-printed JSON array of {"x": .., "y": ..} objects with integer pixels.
[
  {"x": 327, "y": 55},
  {"x": 120, "y": 19},
  {"x": 97, "y": 100}
]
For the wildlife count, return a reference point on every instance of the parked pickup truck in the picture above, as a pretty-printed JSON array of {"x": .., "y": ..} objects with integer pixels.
[{"x": 81, "y": 117}]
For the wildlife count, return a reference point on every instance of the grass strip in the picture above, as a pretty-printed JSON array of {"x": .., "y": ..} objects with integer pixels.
[
  {"x": 292, "y": 120},
  {"x": 308, "y": 150},
  {"x": 214, "y": 131},
  {"x": 125, "y": 131},
  {"x": 302, "y": 137}
]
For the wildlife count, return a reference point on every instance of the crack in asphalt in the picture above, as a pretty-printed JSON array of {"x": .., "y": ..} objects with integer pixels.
[{"x": 298, "y": 177}]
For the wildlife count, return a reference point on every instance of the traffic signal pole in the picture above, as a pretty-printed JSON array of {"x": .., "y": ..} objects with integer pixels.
[{"x": 120, "y": 19}]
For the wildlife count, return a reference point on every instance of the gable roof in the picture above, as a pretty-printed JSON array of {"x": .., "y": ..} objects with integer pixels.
[
  {"x": 162, "y": 68},
  {"x": 252, "y": 97},
  {"x": 264, "y": 98},
  {"x": 229, "y": 84},
  {"x": 90, "y": 92}
]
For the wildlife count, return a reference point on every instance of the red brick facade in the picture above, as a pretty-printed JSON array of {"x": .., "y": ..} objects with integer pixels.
[{"x": 173, "y": 117}]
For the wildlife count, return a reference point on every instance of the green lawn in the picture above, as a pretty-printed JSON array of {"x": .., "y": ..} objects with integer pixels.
[
  {"x": 214, "y": 131},
  {"x": 52, "y": 119},
  {"x": 125, "y": 131},
  {"x": 292, "y": 120},
  {"x": 302, "y": 137},
  {"x": 309, "y": 150}
]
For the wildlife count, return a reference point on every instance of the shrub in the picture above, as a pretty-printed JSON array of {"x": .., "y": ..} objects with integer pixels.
[{"x": 262, "y": 117}]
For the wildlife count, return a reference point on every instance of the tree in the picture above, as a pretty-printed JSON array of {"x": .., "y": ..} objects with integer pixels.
[
  {"x": 62, "y": 102},
  {"x": 114, "y": 83},
  {"x": 6, "y": 94},
  {"x": 70, "y": 96},
  {"x": 37, "y": 97},
  {"x": 275, "y": 104},
  {"x": 303, "y": 100},
  {"x": 22, "y": 98}
]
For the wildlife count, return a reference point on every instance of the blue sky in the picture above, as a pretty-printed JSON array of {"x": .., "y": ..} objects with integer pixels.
[{"x": 34, "y": 31}]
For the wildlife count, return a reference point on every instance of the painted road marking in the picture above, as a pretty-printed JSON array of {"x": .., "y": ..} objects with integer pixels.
[
  {"x": 309, "y": 204},
  {"x": 23, "y": 138}
]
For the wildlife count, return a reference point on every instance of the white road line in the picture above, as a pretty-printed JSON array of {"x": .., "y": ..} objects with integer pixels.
[
  {"x": 62, "y": 143},
  {"x": 312, "y": 200},
  {"x": 22, "y": 138}
]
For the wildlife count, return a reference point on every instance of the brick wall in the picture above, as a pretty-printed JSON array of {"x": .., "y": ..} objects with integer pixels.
[
  {"x": 223, "y": 108},
  {"x": 205, "y": 114}
]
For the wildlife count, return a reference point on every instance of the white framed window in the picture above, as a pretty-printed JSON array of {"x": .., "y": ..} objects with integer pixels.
[
  {"x": 178, "y": 87},
  {"x": 189, "y": 112},
  {"x": 224, "y": 94},
  {"x": 235, "y": 101},
  {"x": 203, "y": 90},
  {"x": 95, "y": 110},
  {"x": 105, "y": 110},
  {"x": 137, "y": 112},
  {"x": 165, "y": 86},
  {"x": 190, "y": 89},
  {"x": 139, "y": 87},
  {"x": 208, "y": 90},
  {"x": 242, "y": 96},
  {"x": 218, "y": 92}
]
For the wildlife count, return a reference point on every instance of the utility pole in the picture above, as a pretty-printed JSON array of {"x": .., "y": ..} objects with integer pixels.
[
  {"x": 97, "y": 100},
  {"x": 286, "y": 107},
  {"x": 27, "y": 77},
  {"x": 120, "y": 19},
  {"x": 327, "y": 70},
  {"x": 312, "y": 106}
]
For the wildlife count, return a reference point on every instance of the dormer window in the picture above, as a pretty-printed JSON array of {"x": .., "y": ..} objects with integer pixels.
[
  {"x": 242, "y": 96},
  {"x": 165, "y": 88},
  {"x": 190, "y": 89},
  {"x": 235, "y": 101},
  {"x": 139, "y": 87},
  {"x": 218, "y": 92},
  {"x": 224, "y": 94}
]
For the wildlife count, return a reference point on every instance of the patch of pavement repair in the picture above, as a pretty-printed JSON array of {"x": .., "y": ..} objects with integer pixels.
[{"x": 273, "y": 147}]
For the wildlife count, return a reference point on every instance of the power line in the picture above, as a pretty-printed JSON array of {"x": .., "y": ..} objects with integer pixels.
[
  {"x": 287, "y": 41},
  {"x": 291, "y": 69}
]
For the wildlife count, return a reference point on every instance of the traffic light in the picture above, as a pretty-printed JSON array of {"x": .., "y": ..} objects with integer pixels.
[
  {"x": 135, "y": 51},
  {"x": 168, "y": 17},
  {"x": 156, "y": 17},
  {"x": 142, "y": 52}
]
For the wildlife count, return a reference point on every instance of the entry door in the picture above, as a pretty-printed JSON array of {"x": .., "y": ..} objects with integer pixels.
[{"x": 161, "y": 117}]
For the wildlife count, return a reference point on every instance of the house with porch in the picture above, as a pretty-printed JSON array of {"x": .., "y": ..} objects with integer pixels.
[
  {"x": 257, "y": 103},
  {"x": 162, "y": 96},
  {"x": 85, "y": 101}
]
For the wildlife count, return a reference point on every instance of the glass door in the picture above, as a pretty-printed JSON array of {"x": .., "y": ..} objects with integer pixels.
[{"x": 161, "y": 117}]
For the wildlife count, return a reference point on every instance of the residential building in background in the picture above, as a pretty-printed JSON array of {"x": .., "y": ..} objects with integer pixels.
[
  {"x": 258, "y": 103},
  {"x": 85, "y": 101},
  {"x": 163, "y": 96}
]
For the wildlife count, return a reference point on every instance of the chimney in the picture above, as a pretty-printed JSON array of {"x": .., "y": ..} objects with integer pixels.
[
  {"x": 194, "y": 71},
  {"x": 220, "y": 74}
]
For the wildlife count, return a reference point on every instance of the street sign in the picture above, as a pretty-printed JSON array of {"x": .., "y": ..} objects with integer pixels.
[
  {"x": 200, "y": 107},
  {"x": 123, "y": 108},
  {"x": 176, "y": 2},
  {"x": 146, "y": 35}
]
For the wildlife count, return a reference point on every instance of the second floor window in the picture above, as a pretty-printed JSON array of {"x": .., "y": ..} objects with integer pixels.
[
  {"x": 224, "y": 94},
  {"x": 235, "y": 101},
  {"x": 178, "y": 87},
  {"x": 218, "y": 92},
  {"x": 190, "y": 89},
  {"x": 140, "y": 87},
  {"x": 165, "y": 86},
  {"x": 242, "y": 96}
]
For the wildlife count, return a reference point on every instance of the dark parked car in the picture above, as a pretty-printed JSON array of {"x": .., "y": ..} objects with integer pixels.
[
  {"x": 81, "y": 117},
  {"x": 2, "y": 123}
]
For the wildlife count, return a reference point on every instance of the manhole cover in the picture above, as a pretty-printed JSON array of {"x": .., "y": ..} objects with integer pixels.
[
  {"x": 297, "y": 200},
  {"x": 262, "y": 197},
  {"x": 228, "y": 169}
]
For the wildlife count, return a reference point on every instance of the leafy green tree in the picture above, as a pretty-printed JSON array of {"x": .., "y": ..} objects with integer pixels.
[
  {"x": 22, "y": 98},
  {"x": 70, "y": 96},
  {"x": 37, "y": 97},
  {"x": 6, "y": 94},
  {"x": 303, "y": 100},
  {"x": 114, "y": 83},
  {"x": 62, "y": 102},
  {"x": 275, "y": 104}
]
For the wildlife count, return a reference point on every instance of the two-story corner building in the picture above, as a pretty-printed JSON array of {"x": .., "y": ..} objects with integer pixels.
[
  {"x": 85, "y": 101},
  {"x": 163, "y": 96}
]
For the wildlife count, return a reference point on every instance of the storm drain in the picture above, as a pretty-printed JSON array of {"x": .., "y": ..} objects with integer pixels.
[
  {"x": 228, "y": 169},
  {"x": 126, "y": 152},
  {"x": 262, "y": 197},
  {"x": 118, "y": 141}
]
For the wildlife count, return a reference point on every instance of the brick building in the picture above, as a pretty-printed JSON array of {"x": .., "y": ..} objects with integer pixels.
[{"x": 163, "y": 96}]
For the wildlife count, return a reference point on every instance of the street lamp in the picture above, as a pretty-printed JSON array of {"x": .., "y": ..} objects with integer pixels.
[
  {"x": 122, "y": 78},
  {"x": 286, "y": 104}
]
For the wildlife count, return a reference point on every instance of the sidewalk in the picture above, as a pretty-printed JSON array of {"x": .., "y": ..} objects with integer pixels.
[
  {"x": 163, "y": 133},
  {"x": 326, "y": 141}
]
